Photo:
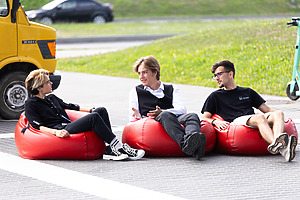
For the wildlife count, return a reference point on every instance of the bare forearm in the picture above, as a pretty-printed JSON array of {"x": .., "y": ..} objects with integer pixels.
[
  {"x": 48, "y": 130},
  {"x": 59, "y": 133},
  {"x": 89, "y": 110}
]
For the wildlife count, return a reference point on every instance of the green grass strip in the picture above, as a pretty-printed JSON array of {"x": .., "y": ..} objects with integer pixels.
[{"x": 261, "y": 50}]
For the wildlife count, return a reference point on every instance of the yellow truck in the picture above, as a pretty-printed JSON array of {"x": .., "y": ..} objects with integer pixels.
[{"x": 24, "y": 46}]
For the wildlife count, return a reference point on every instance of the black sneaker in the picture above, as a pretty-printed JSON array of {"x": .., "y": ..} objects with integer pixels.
[
  {"x": 192, "y": 143},
  {"x": 113, "y": 154},
  {"x": 200, "y": 152},
  {"x": 133, "y": 154}
]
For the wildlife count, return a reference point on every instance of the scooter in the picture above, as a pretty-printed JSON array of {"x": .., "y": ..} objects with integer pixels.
[{"x": 292, "y": 89}]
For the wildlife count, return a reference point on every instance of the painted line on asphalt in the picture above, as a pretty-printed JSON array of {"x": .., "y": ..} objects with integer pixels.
[
  {"x": 88, "y": 184},
  {"x": 7, "y": 135},
  {"x": 296, "y": 121}
]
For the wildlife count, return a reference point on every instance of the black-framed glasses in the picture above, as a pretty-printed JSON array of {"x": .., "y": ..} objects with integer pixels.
[{"x": 219, "y": 74}]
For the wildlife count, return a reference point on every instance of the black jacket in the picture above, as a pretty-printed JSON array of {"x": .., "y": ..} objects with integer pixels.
[{"x": 48, "y": 112}]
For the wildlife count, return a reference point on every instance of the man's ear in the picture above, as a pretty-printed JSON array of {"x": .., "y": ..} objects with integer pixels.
[{"x": 39, "y": 88}]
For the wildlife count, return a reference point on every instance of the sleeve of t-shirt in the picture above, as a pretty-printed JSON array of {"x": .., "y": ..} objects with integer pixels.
[
  {"x": 257, "y": 100},
  {"x": 209, "y": 105}
]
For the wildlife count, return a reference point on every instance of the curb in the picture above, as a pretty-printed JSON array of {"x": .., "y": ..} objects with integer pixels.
[{"x": 128, "y": 38}]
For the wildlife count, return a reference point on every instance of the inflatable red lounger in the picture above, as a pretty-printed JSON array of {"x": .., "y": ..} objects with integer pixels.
[
  {"x": 149, "y": 135},
  {"x": 239, "y": 139},
  {"x": 35, "y": 144}
]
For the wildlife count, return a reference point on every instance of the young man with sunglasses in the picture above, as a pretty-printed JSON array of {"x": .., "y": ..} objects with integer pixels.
[{"x": 235, "y": 105}]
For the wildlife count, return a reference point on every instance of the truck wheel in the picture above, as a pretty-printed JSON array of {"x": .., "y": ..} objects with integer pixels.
[
  {"x": 292, "y": 95},
  {"x": 13, "y": 95}
]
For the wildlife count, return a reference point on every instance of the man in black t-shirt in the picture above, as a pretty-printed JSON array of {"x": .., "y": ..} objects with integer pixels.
[{"x": 235, "y": 105}]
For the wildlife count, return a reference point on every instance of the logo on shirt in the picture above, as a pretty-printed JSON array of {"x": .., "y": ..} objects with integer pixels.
[{"x": 243, "y": 98}]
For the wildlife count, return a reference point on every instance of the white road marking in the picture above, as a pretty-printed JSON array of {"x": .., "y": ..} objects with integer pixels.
[
  {"x": 89, "y": 184},
  {"x": 7, "y": 135},
  {"x": 296, "y": 121}
]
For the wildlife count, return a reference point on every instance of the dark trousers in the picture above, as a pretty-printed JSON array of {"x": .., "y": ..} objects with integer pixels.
[
  {"x": 98, "y": 121},
  {"x": 173, "y": 125}
]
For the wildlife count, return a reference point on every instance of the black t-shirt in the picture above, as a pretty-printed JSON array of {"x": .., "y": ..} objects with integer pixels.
[
  {"x": 48, "y": 112},
  {"x": 230, "y": 104}
]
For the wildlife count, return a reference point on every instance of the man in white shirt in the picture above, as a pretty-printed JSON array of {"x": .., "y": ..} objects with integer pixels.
[{"x": 164, "y": 103}]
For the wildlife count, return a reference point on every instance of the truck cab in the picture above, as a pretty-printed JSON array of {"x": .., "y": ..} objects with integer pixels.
[{"x": 24, "y": 46}]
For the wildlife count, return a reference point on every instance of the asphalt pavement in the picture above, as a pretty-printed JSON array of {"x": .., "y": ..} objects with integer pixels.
[{"x": 216, "y": 176}]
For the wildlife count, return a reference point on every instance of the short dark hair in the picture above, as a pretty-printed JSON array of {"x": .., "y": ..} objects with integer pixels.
[
  {"x": 149, "y": 62},
  {"x": 228, "y": 65}
]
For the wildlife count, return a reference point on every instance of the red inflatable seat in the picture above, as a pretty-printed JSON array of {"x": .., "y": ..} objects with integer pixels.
[
  {"x": 35, "y": 144},
  {"x": 149, "y": 135},
  {"x": 239, "y": 139}
]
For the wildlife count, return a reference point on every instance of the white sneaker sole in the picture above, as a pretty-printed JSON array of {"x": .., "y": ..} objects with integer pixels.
[
  {"x": 140, "y": 153},
  {"x": 115, "y": 158}
]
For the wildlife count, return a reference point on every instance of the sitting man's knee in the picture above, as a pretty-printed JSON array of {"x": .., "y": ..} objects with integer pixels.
[
  {"x": 101, "y": 110},
  {"x": 193, "y": 116},
  {"x": 166, "y": 114},
  {"x": 94, "y": 114},
  {"x": 276, "y": 115},
  {"x": 279, "y": 114},
  {"x": 260, "y": 118}
]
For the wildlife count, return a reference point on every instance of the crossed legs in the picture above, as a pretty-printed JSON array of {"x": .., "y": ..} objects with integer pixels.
[
  {"x": 269, "y": 128},
  {"x": 190, "y": 140}
]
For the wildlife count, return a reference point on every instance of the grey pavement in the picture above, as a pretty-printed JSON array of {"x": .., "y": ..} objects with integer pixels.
[{"x": 217, "y": 176}]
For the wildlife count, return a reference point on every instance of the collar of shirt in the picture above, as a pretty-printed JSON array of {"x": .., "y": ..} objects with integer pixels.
[{"x": 159, "y": 93}]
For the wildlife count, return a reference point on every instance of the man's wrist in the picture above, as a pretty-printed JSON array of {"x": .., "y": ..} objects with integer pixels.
[
  {"x": 212, "y": 122},
  {"x": 91, "y": 110}
]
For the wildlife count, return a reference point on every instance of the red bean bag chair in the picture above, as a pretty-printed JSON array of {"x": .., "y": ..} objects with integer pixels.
[
  {"x": 149, "y": 135},
  {"x": 239, "y": 139},
  {"x": 35, "y": 144}
]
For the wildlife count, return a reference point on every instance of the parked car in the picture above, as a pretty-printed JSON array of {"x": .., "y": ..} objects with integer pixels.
[{"x": 72, "y": 10}]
